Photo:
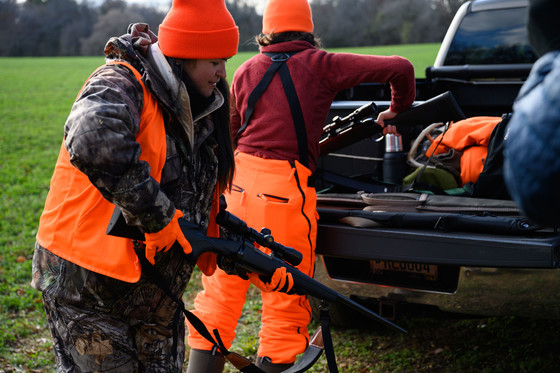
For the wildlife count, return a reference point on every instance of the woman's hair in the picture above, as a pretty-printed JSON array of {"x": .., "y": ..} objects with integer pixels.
[
  {"x": 226, "y": 161},
  {"x": 268, "y": 39}
]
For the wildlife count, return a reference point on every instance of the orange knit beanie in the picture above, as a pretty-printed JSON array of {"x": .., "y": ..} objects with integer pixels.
[
  {"x": 287, "y": 15},
  {"x": 198, "y": 29}
]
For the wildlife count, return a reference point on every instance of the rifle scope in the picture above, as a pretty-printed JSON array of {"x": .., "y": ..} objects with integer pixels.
[{"x": 265, "y": 239}]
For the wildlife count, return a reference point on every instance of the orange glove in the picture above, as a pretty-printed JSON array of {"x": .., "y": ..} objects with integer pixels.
[
  {"x": 281, "y": 281},
  {"x": 165, "y": 238}
]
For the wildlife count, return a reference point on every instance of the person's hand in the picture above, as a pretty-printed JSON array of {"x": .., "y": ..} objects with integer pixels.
[
  {"x": 281, "y": 280},
  {"x": 165, "y": 238},
  {"x": 386, "y": 115}
]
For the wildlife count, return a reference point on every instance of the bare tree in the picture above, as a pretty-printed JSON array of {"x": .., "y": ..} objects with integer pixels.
[
  {"x": 113, "y": 23},
  {"x": 8, "y": 19},
  {"x": 323, "y": 17},
  {"x": 77, "y": 24},
  {"x": 38, "y": 27},
  {"x": 342, "y": 23},
  {"x": 350, "y": 23},
  {"x": 248, "y": 21},
  {"x": 109, "y": 5}
]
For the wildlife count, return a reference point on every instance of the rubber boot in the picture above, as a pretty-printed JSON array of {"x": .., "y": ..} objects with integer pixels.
[
  {"x": 201, "y": 361},
  {"x": 265, "y": 364}
]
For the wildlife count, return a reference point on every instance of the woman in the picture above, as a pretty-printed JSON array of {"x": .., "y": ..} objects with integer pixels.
[
  {"x": 277, "y": 151},
  {"x": 148, "y": 133}
]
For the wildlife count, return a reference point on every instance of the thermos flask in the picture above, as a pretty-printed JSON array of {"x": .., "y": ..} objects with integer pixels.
[{"x": 394, "y": 160}]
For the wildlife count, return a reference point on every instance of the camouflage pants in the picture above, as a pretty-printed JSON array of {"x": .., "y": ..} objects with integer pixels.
[{"x": 100, "y": 324}]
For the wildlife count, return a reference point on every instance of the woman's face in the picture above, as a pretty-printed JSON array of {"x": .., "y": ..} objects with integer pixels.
[{"x": 205, "y": 74}]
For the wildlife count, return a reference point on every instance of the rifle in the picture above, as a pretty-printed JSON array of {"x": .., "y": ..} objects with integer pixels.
[
  {"x": 241, "y": 257},
  {"x": 360, "y": 124},
  {"x": 442, "y": 221},
  {"x": 345, "y": 131}
]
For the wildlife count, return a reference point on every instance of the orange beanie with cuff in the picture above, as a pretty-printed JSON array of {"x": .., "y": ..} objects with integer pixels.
[
  {"x": 287, "y": 15},
  {"x": 198, "y": 29}
]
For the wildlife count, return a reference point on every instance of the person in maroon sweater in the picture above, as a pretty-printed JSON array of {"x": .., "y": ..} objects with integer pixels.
[{"x": 277, "y": 146}]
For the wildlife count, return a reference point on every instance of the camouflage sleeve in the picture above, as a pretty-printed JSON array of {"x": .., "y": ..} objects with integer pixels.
[{"x": 100, "y": 136}]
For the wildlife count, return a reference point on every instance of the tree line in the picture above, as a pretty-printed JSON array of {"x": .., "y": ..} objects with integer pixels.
[{"x": 81, "y": 28}]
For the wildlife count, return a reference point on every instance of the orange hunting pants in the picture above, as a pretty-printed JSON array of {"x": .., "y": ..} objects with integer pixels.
[{"x": 273, "y": 194}]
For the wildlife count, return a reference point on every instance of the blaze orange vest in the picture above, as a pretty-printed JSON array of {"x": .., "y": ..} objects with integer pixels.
[
  {"x": 471, "y": 136},
  {"x": 75, "y": 216}
]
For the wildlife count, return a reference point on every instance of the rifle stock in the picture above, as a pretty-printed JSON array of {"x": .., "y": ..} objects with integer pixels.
[
  {"x": 247, "y": 258},
  {"x": 440, "y": 108}
]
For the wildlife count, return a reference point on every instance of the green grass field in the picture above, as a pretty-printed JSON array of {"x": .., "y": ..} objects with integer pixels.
[{"x": 36, "y": 95}]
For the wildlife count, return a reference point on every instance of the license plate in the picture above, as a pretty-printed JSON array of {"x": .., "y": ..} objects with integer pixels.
[{"x": 428, "y": 271}]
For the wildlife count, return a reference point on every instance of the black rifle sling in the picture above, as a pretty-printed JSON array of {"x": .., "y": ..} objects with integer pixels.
[
  {"x": 297, "y": 113},
  {"x": 311, "y": 355},
  {"x": 240, "y": 362},
  {"x": 257, "y": 93},
  {"x": 278, "y": 64}
]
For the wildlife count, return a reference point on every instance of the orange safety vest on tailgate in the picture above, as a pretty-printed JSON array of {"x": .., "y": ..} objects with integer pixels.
[
  {"x": 470, "y": 136},
  {"x": 75, "y": 217}
]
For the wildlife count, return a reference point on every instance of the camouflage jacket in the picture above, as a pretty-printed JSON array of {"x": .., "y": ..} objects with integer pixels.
[{"x": 100, "y": 137}]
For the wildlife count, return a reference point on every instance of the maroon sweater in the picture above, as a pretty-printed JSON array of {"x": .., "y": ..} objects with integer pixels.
[{"x": 318, "y": 76}]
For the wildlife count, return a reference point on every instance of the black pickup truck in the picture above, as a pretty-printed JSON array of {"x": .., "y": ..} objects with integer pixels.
[{"x": 483, "y": 61}]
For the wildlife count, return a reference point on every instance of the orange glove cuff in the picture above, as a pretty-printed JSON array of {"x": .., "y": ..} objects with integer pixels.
[
  {"x": 281, "y": 280},
  {"x": 165, "y": 238}
]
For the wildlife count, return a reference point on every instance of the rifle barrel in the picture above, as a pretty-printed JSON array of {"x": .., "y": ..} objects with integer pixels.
[{"x": 247, "y": 258}]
